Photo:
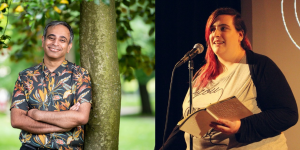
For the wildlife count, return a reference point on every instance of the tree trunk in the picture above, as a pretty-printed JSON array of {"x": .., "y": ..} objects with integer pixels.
[
  {"x": 98, "y": 51},
  {"x": 146, "y": 107}
]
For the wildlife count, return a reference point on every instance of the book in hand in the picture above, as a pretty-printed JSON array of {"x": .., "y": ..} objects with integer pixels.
[{"x": 198, "y": 122}]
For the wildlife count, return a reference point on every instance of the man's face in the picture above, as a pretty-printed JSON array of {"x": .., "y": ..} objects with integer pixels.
[
  {"x": 224, "y": 38},
  {"x": 56, "y": 44}
]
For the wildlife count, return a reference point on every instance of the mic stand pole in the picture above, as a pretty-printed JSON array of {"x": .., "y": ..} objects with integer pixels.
[{"x": 191, "y": 68}]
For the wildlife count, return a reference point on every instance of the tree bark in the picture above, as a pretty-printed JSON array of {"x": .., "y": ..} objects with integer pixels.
[
  {"x": 98, "y": 54},
  {"x": 146, "y": 107}
]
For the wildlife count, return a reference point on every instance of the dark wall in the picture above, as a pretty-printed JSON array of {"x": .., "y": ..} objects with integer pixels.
[{"x": 179, "y": 25}]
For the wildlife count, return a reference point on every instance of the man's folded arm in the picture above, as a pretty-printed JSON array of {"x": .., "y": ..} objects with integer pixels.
[
  {"x": 20, "y": 120},
  {"x": 63, "y": 119}
]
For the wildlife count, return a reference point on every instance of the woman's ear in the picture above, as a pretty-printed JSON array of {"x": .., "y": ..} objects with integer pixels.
[{"x": 241, "y": 36}]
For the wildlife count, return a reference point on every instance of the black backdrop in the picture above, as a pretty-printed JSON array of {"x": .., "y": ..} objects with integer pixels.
[{"x": 179, "y": 25}]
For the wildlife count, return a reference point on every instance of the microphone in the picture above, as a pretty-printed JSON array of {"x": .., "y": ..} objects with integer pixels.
[{"x": 198, "y": 49}]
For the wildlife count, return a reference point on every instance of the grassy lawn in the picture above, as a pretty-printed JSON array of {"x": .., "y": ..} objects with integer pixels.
[
  {"x": 137, "y": 133},
  {"x": 9, "y": 138}
]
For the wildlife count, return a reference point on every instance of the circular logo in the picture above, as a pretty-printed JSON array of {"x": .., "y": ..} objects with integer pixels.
[{"x": 284, "y": 23}]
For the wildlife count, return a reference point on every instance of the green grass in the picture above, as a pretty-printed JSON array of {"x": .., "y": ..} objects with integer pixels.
[
  {"x": 9, "y": 137},
  {"x": 137, "y": 133}
]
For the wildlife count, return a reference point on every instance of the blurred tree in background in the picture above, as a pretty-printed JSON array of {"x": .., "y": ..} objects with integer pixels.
[{"x": 139, "y": 60}]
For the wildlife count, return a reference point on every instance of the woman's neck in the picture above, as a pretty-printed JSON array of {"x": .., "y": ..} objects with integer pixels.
[{"x": 225, "y": 62}]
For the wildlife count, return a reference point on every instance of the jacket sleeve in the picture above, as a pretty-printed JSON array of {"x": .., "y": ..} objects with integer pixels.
[{"x": 274, "y": 98}]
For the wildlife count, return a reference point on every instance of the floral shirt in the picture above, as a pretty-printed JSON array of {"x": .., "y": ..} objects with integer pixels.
[{"x": 39, "y": 88}]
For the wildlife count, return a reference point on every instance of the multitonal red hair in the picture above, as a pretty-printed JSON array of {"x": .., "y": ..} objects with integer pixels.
[{"x": 210, "y": 70}]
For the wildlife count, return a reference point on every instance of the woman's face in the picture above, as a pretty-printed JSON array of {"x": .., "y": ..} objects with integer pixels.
[{"x": 224, "y": 38}]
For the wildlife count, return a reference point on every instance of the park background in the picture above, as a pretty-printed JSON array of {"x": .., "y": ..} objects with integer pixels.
[{"x": 135, "y": 30}]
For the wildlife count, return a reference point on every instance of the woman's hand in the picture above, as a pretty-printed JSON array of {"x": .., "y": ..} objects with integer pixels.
[{"x": 226, "y": 126}]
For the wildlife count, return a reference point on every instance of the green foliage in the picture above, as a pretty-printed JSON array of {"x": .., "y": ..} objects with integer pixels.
[
  {"x": 8, "y": 82},
  {"x": 26, "y": 26},
  {"x": 4, "y": 37},
  {"x": 26, "y": 20},
  {"x": 134, "y": 60}
]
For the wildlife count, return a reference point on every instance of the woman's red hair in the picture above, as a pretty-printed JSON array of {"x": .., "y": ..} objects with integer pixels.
[{"x": 210, "y": 70}]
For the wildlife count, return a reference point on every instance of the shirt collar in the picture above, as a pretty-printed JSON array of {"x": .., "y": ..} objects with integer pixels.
[{"x": 57, "y": 71}]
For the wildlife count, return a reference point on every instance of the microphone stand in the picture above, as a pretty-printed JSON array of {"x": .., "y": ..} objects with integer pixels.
[
  {"x": 198, "y": 48},
  {"x": 191, "y": 68}
]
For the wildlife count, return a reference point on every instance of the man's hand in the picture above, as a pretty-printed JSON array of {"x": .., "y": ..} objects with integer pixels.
[{"x": 226, "y": 126}]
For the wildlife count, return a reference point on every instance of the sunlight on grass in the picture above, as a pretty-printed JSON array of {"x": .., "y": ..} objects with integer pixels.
[
  {"x": 137, "y": 133},
  {"x": 9, "y": 139}
]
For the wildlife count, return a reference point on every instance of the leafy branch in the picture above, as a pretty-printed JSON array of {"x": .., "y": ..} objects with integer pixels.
[{"x": 134, "y": 59}]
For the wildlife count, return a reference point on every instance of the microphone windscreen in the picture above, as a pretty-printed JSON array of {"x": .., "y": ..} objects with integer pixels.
[{"x": 199, "y": 48}]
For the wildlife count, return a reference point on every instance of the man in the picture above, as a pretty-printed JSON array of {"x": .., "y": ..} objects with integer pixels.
[{"x": 52, "y": 101}]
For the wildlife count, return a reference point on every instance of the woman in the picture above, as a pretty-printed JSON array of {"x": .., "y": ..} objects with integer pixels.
[{"x": 233, "y": 69}]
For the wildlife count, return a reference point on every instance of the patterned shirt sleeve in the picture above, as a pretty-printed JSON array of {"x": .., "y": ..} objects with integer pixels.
[
  {"x": 19, "y": 95},
  {"x": 84, "y": 89}
]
